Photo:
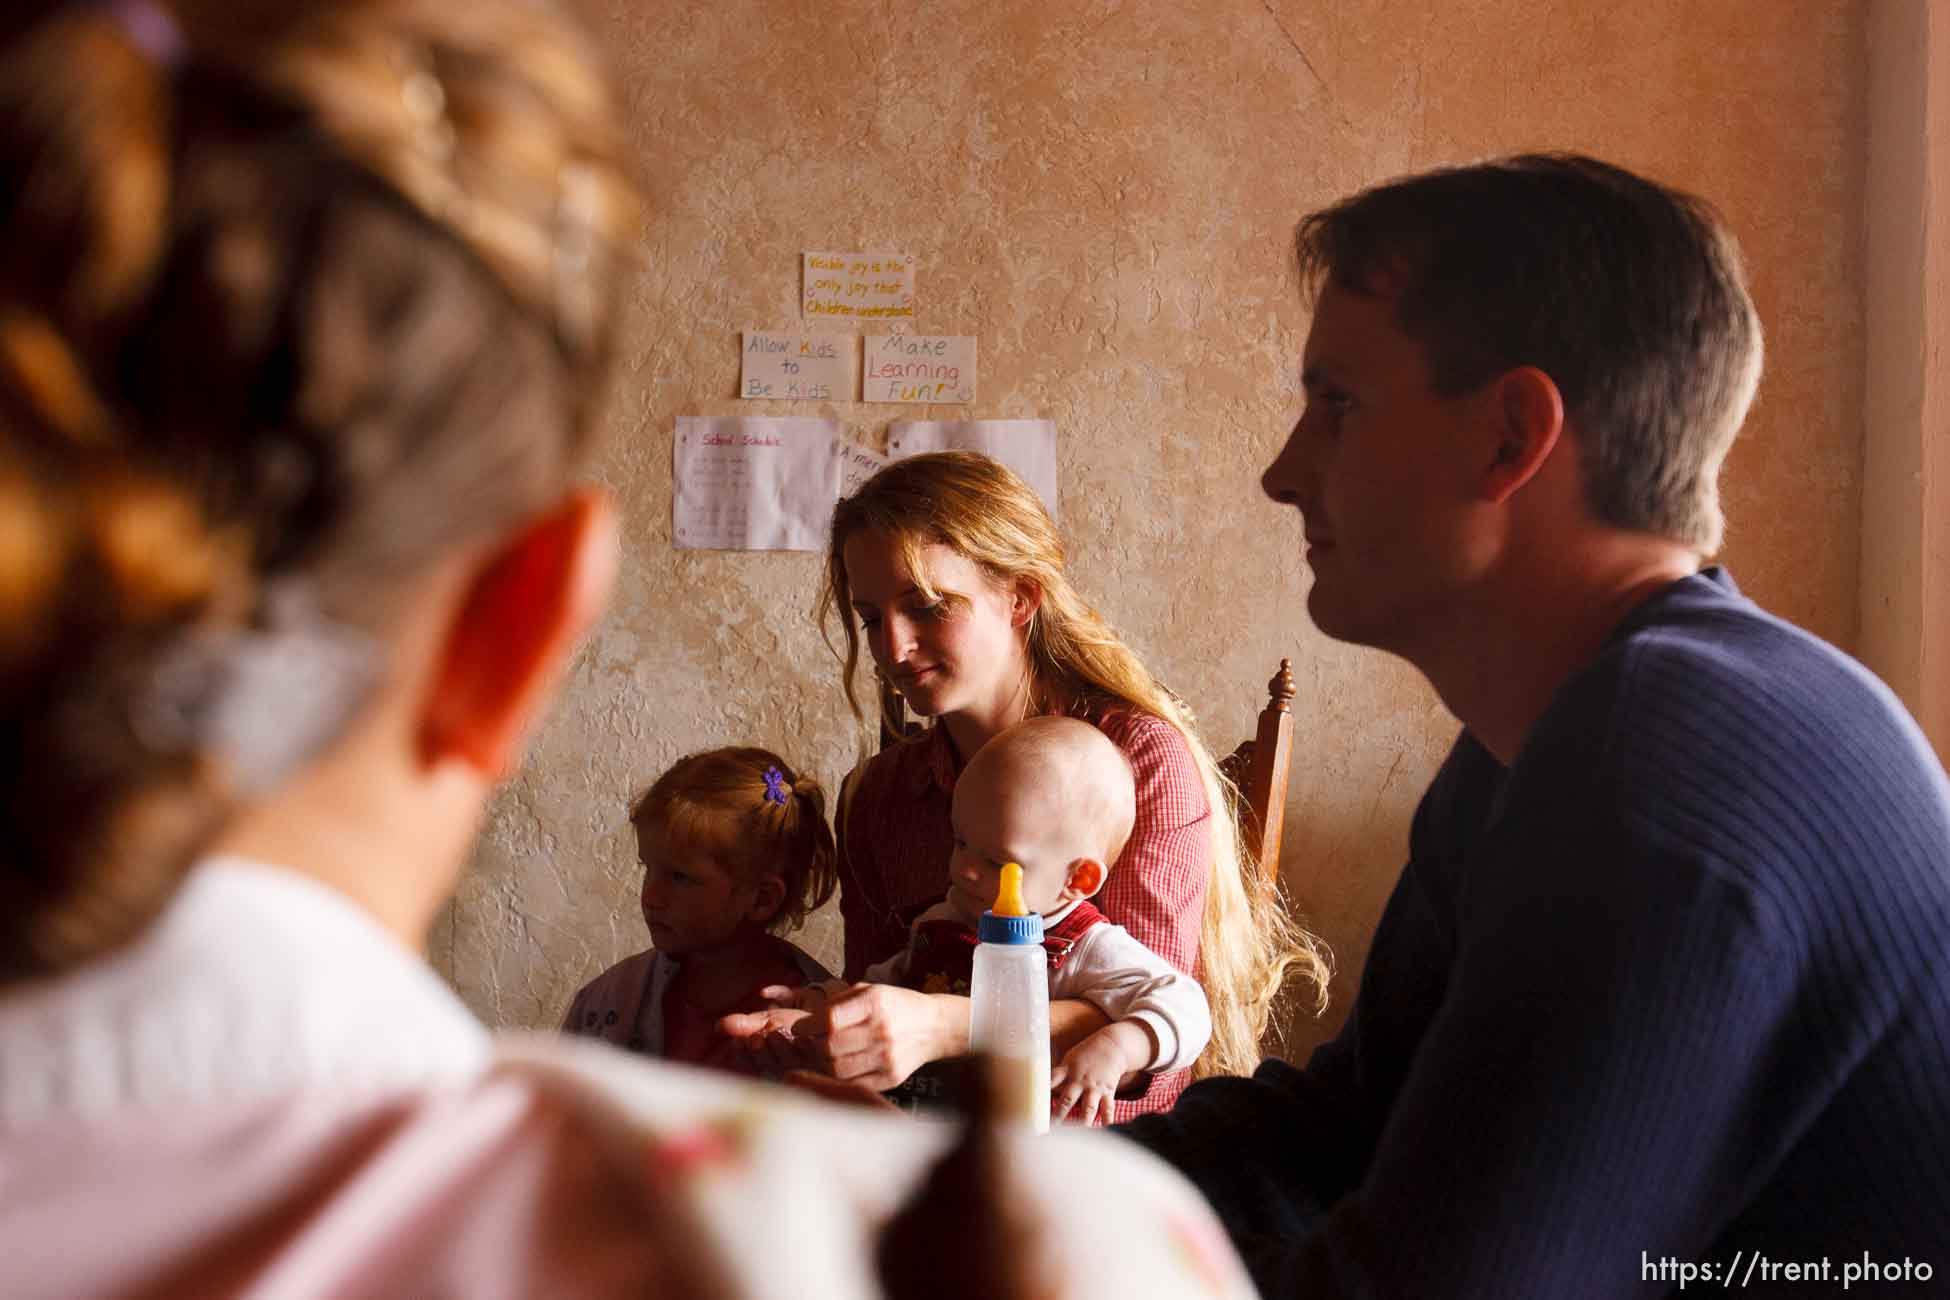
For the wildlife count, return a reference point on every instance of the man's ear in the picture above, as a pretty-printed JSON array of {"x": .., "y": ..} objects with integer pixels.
[
  {"x": 1086, "y": 877},
  {"x": 523, "y": 612},
  {"x": 1528, "y": 413}
]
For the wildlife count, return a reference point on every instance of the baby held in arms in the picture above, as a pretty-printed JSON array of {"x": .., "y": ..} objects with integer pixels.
[
  {"x": 734, "y": 846},
  {"x": 1056, "y": 796}
]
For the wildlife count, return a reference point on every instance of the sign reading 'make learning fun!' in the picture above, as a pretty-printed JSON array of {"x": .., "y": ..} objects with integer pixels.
[{"x": 919, "y": 368}]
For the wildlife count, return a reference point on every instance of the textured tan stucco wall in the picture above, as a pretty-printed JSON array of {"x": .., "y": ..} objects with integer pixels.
[{"x": 1104, "y": 194}]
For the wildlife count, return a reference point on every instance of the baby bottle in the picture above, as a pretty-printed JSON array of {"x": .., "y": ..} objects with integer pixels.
[{"x": 1010, "y": 991}]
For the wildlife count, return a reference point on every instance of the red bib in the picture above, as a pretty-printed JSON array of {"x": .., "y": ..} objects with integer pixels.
[{"x": 941, "y": 957}]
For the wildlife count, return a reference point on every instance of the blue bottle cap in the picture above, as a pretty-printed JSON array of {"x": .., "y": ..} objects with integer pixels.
[{"x": 1010, "y": 929}]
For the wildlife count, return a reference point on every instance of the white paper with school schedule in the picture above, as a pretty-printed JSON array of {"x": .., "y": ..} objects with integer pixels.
[{"x": 745, "y": 483}]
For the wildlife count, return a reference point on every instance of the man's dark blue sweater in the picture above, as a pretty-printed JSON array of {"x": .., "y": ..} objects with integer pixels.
[{"x": 1673, "y": 991}]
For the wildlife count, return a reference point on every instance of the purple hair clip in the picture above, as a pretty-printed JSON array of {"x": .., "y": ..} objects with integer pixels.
[{"x": 775, "y": 786}]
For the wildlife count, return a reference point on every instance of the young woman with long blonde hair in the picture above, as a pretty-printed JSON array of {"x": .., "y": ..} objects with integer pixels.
[{"x": 951, "y": 571}]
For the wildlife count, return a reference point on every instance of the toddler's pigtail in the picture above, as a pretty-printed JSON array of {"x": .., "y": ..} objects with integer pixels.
[
  {"x": 803, "y": 855},
  {"x": 813, "y": 852}
]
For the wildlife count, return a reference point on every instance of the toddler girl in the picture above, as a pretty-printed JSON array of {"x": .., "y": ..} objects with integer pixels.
[{"x": 734, "y": 846}]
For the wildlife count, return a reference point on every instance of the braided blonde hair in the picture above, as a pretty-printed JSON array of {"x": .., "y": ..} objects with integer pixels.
[
  {"x": 1249, "y": 946},
  {"x": 313, "y": 298}
]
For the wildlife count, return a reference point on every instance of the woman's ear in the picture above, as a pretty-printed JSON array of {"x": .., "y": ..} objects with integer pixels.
[
  {"x": 1025, "y": 598},
  {"x": 522, "y": 614}
]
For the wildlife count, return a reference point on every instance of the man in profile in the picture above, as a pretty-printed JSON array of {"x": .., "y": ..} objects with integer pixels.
[{"x": 1663, "y": 993}]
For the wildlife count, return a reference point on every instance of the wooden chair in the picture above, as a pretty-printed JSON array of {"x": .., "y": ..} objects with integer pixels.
[{"x": 1259, "y": 768}]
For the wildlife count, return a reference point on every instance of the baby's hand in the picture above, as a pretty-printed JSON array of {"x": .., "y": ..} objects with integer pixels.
[{"x": 1084, "y": 1085}]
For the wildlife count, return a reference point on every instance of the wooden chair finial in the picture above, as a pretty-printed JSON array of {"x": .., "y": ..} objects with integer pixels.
[
  {"x": 1259, "y": 768},
  {"x": 1280, "y": 690}
]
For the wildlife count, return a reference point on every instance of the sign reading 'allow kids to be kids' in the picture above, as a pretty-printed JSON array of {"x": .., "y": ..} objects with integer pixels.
[
  {"x": 919, "y": 368},
  {"x": 858, "y": 286},
  {"x": 785, "y": 366}
]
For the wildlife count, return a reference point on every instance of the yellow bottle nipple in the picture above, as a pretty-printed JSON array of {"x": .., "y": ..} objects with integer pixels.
[{"x": 1008, "y": 898}]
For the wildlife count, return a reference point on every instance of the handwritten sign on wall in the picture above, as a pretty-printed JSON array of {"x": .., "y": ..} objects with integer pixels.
[
  {"x": 858, "y": 286},
  {"x": 857, "y": 465},
  {"x": 919, "y": 368},
  {"x": 1026, "y": 446},
  {"x": 753, "y": 484},
  {"x": 784, "y": 366}
]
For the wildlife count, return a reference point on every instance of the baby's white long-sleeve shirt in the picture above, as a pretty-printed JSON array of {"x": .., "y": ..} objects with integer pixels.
[{"x": 1122, "y": 978}]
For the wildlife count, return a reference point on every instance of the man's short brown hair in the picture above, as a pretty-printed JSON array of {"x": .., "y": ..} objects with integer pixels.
[{"x": 1629, "y": 295}]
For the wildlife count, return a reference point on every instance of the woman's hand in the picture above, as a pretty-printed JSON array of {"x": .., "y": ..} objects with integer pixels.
[
  {"x": 874, "y": 1035},
  {"x": 878, "y": 1034}
]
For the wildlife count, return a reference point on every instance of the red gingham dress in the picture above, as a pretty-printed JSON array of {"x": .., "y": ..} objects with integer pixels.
[{"x": 896, "y": 841}]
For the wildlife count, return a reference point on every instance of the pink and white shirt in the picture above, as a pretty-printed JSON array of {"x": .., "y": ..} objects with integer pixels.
[{"x": 266, "y": 1095}]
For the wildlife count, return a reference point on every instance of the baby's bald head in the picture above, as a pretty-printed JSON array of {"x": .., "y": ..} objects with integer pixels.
[{"x": 1064, "y": 775}]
